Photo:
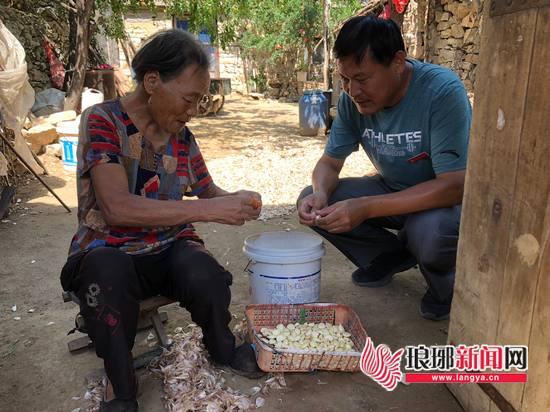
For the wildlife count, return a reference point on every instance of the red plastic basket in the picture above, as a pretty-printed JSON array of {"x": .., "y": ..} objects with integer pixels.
[{"x": 295, "y": 360}]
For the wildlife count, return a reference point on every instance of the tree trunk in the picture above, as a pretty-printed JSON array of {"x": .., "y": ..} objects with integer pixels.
[
  {"x": 69, "y": 67},
  {"x": 398, "y": 17},
  {"x": 245, "y": 70},
  {"x": 80, "y": 43},
  {"x": 326, "y": 14},
  {"x": 128, "y": 49}
]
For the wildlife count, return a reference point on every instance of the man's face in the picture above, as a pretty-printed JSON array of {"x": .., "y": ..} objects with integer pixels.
[{"x": 371, "y": 85}]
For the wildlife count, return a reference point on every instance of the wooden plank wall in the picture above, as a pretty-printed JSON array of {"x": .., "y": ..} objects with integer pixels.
[{"x": 502, "y": 290}]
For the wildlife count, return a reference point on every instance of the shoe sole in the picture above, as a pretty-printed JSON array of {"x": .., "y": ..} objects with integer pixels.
[
  {"x": 434, "y": 317},
  {"x": 385, "y": 280},
  {"x": 377, "y": 283},
  {"x": 250, "y": 375}
]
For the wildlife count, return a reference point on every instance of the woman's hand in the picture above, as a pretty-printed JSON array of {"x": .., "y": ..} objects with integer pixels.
[{"x": 235, "y": 208}]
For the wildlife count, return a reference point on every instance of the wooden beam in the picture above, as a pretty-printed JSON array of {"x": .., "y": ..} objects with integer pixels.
[
  {"x": 535, "y": 176},
  {"x": 531, "y": 193},
  {"x": 536, "y": 396},
  {"x": 505, "y": 200}
]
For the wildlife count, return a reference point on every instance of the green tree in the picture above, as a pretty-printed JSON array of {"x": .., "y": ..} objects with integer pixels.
[
  {"x": 220, "y": 18},
  {"x": 272, "y": 33},
  {"x": 278, "y": 31}
]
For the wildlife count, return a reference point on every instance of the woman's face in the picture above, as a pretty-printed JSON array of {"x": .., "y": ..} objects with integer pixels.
[{"x": 174, "y": 102}]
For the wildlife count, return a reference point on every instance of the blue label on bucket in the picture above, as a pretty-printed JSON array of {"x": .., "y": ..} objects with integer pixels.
[
  {"x": 69, "y": 152},
  {"x": 290, "y": 277}
]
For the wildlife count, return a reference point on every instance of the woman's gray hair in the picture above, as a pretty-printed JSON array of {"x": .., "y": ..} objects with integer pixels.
[{"x": 169, "y": 52}]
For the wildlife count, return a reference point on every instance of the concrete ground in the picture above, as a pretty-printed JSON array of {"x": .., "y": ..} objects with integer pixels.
[{"x": 39, "y": 374}]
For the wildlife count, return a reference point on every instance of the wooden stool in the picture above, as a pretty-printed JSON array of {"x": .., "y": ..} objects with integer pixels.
[{"x": 148, "y": 316}]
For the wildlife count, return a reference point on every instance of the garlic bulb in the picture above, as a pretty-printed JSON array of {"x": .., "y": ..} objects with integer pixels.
[{"x": 308, "y": 336}]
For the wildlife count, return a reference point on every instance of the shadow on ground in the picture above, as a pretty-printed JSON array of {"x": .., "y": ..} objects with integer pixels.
[{"x": 39, "y": 374}]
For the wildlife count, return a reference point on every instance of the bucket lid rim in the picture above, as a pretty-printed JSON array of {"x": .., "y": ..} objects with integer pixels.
[{"x": 315, "y": 248}]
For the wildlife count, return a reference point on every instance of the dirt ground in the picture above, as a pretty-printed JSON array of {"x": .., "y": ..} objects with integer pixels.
[{"x": 39, "y": 374}]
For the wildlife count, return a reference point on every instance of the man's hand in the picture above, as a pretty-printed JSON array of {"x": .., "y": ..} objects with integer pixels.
[
  {"x": 342, "y": 216},
  {"x": 309, "y": 206}
]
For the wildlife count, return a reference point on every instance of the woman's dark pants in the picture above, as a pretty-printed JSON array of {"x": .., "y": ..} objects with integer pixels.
[{"x": 110, "y": 284}]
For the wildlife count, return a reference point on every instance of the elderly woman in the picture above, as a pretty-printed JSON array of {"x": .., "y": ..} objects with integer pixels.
[{"x": 135, "y": 238}]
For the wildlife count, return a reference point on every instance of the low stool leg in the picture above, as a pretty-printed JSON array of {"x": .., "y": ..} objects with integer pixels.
[
  {"x": 159, "y": 329},
  {"x": 80, "y": 343}
]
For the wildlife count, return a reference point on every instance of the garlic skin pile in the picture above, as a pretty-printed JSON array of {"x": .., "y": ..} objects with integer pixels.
[{"x": 308, "y": 336}]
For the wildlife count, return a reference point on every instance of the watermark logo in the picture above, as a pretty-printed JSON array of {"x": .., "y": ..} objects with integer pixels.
[
  {"x": 445, "y": 364},
  {"x": 381, "y": 365}
]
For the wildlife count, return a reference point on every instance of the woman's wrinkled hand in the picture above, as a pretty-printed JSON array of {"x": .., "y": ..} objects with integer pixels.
[{"x": 236, "y": 208}]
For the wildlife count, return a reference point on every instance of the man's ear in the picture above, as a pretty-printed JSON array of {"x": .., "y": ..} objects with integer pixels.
[
  {"x": 399, "y": 61},
  {"x": 151, "y": 81}
]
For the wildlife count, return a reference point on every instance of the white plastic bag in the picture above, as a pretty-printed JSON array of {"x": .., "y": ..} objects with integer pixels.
[{"x": 16, "y": 94}]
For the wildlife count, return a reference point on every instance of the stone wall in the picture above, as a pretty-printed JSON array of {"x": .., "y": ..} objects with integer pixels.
[
  {"x": 30, "y": 29},
  {"x": 139, "y": 26},
  {"x": 232, "y": 66},
  {"x": 31, "y": 21},
  {"x": 453, "y": 36},
  {"x": 414, "y": 28},
  {"x": 143, "y": 24},
  {"x": 445, "y": 32}
]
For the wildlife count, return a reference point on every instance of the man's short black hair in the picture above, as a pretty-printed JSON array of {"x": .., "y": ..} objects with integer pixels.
[
  {"x": 169, "y": 52},
  {"x": 362, "y": 34}
]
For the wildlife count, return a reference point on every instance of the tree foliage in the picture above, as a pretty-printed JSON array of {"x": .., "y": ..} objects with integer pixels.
[
  {"x": 220, "y": 18},
  {"x": 272, "y": 25},
  {"x": 270, "y": 33},
  {"x": 278, "y": 31},
  {"x": 279, "y": 26}
]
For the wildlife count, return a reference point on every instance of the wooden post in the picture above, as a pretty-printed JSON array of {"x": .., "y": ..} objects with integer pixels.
[{"x": 502, "y": 290}]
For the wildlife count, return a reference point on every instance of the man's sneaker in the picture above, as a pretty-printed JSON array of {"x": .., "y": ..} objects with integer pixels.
[
  {"x": 244, "y": 362},
  {"x": 119, "y": 405},
  {"x": 381, "y": 269},
  {"x": 432, "y": 308}
]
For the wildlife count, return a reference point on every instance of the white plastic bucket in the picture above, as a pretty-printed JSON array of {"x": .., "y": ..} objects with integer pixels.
[
  {"x": 68, "y": 137},
  {"x": 90, "y": 97},
  {"x": 284, "y": 267}
]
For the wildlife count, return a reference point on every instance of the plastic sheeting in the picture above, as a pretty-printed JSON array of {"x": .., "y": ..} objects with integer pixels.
[{"x": 16, "y": 93}]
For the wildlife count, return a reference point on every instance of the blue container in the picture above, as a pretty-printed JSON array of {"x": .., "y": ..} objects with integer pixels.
[
  {"x": 68, "y": 138},
  {"x": 68, "y": 154},
  {"x": 313, "y": 109}
]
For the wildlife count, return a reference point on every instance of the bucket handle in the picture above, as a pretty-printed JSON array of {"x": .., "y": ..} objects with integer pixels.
[
  {"x": 247, "y": 266},
  {"x": 91, "y": 90}
]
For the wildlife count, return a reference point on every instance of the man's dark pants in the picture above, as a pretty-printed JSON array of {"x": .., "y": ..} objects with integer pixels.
[
  {"x": 111, "y": 283},
  {"x": 431, "y": 235}
]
